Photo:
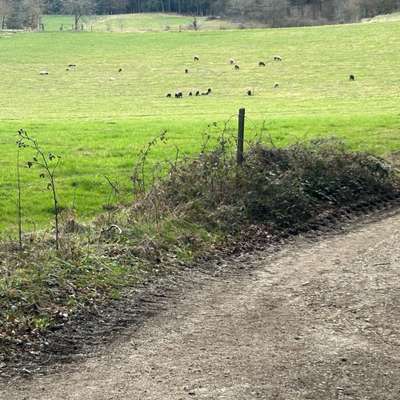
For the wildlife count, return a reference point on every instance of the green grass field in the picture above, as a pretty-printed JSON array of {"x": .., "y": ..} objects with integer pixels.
[{"x": 98, "y": 119}]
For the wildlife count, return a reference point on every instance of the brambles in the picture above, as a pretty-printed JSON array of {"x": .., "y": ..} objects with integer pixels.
[{"x": 285, "y": 188}]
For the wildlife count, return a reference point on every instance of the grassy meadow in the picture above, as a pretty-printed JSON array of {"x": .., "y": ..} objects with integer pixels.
[
  {"x": 97, "y": 118},
  {"x": 135, "y": 23}
]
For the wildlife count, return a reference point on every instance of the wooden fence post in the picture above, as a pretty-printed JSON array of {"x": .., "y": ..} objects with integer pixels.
[{"x": 240, "y": 140}]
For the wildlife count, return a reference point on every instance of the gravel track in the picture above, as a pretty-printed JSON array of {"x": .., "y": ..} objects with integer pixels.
[{"x": 319, "y": 319}]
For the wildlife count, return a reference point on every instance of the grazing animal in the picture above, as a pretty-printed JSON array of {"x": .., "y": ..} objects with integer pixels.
[
  {"x": 190, "y": 94},
  {"x": 178, "y": 95},
  {"x": 277, "y": 58},
  {"x": 261, "y": 64},
  {"x": 186, "y": 71},
  {"x": 169, "y": 95},
  {"x": 196, "y": 58},
  {"x": 197, "y": 93},
  {"x": 249, "y": 93},
  {"x": 43, "y": 72},
  {"x": 112, "y": 79},
  {"x": 232, "y": 61},
  {"x": 71, "y": 65},
  {"x": 120, "y": 70},
  {"x": 237, "y": 67},
  {"x": 276, "y": 85},
  {"x": 352, "y": 77},
  {"x": 209, "y": 91}
]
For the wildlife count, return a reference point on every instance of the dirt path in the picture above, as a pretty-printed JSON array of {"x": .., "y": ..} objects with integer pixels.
[{"x": 314, "y": 321}]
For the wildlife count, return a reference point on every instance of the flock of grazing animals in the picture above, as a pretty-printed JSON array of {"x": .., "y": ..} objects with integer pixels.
[{"x": 179, "y": 94}]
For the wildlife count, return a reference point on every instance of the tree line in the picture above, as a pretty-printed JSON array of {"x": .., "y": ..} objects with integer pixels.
[{"x": 17, "y": 14}]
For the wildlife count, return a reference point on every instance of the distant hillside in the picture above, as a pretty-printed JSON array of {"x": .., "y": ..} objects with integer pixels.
[
  {"x": 20, "y": 14},
  {"x": 138, "y": 23},
  {"x": 384, "y": 18}
]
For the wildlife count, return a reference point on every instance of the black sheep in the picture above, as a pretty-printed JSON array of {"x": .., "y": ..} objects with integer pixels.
[
  {"x": 261, "y": 64},
  {"x": 237, "y": 67},
  {"x": 352, "y": 77}
]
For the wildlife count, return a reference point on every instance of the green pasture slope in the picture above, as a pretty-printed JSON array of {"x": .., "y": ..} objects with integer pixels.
[
  {"x": 97, "y": 118},
  {"x": 134, "y": 23}
]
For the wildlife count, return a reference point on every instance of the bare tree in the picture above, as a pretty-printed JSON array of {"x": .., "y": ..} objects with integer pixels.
[{"x": 78, "y": 8}]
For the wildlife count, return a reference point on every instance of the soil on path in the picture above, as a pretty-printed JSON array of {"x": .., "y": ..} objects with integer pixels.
[{"x": 320, "y": 319}]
